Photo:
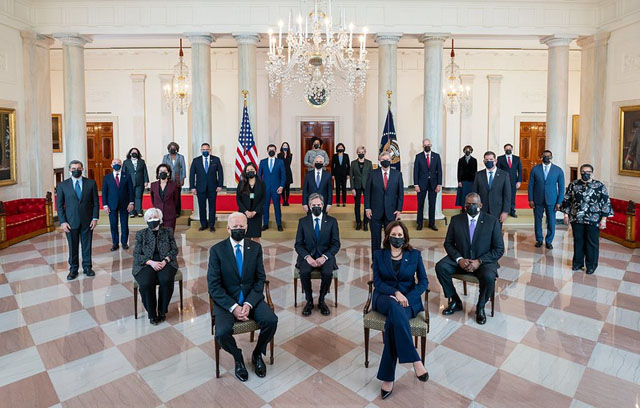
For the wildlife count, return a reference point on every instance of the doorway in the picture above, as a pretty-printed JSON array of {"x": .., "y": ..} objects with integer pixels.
[
  {"x": 533, "y": 139},
  {"x": 99, "y": 150},
  {"x": 325, "y": 131}
]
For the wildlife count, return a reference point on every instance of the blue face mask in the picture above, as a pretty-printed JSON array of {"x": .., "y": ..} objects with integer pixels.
[
  {"x": 117, "y": 167},
  {"x": 489, "y": 164},
  {"x": 205, "y": 153}
]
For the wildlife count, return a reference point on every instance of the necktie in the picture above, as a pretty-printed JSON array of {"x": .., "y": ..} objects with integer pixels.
[
  {"x": 318, "y": 178},
  {"x": 472, "y": 229},
  {"x": 270, "y": 165},
  {"x": 490, "y": 178},
  {"x": 428, "y": 161},
  {"x": 386, "y": 180},
  {"x": 206, "y": 165},
  {"x": 546, "y": 171},
  {"x": 78, "y": 190},
  {"x": 117, "y": 180},
  {"x": 239, "y": 264},
  {"x": 509, "y": 161},
  {"x": 317, "y": 228}
]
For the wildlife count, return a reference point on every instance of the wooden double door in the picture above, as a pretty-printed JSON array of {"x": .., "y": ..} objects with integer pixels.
[
  {"x": 309, "y": 130},
  {"x": 99, "y": 150},
  {"x": 533, "y": 139}
]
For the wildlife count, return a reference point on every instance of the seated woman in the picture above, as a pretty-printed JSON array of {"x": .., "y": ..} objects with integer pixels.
[
  {"x": 155, "y": 263},
  {"x": 165, "y": 196},
  {"x": 399, "y": 298}
]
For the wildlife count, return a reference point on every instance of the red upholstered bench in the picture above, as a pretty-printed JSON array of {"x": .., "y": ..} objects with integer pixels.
[
  {"x": 623, "y": 227},
  {"x": 25, "y": 218}
]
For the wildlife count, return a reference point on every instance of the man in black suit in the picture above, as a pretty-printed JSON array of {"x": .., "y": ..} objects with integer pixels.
[
  {"x": 318, "y": 181},
  {"x": 236, "y": 282},
  {"x": 511, "y": 164},
  {"x": 474, "y": 245},
  {"x": 78, "y": 207},
  {"x": 317, "y": 243},
  {"x": 205, "y": 181},
  {"x": 383, "y": 198},
  {"x": 427, "y": 180},
  {"x": 494, "y": 187},
  {"x": 118, "y": 200}
]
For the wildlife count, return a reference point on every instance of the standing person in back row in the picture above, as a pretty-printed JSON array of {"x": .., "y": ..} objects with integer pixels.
[
  {"x": 178, "y": 170},
  {"x": 359, "y": 174},
  {"x": 467, "y": 169},
  {"x": 136, "y": 168},
  {"x": 427, "y": 179},
  {"x": 286, "y": 156},
  {"x": 511, "y": 164},
  {"x": 340, "y": 171},
  {"x": 546, "y": 191},
  {"x": 494, "y": 188},
  {"x": 271, "y": 171},
  {"x": 117, "y": 201},
  {"x": 311, "y": 154},
  {"x": 205, "y": 181}
]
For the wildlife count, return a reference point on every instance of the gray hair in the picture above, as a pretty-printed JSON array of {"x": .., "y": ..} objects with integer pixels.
[
  {"x": 235, "y": 215},
  {"x": 314, "y": 196},
  {"x": 473, "y": 195},
  {"x": 384, "y": 153},
  {"x": 153, "y": 213},
  {"x": 361, "y": 148},
  {"x": 320, "y": 156},
  {"x": 72, "y": 162}
]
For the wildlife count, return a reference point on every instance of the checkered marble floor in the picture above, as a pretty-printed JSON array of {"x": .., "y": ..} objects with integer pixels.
[{"x": 558, "y": 338}]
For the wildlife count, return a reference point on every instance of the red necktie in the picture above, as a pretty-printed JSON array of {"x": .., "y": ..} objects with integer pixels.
[
  {"x": 117, "y": 180},
  {"x": 386, "y": 180},
  {"x": 428, "y": 161},
  {"x": 509, "y": 160}
]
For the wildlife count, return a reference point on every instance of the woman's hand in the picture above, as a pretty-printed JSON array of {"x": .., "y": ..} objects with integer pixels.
[
  {"x": 603, "y": 223},
  {"x": 402, "y": 299}
]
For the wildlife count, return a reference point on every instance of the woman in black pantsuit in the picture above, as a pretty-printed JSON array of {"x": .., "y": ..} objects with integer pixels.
[
  {"x": 155, "y": 263},
  {"x": 250, "y": 197},
  {"x": 286, "y": 156},
  {"x": 340, "y": 167}
]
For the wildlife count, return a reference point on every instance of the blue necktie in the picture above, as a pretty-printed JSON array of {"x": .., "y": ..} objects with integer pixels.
[
  {"x": 270, "y": 165},
  {"x": 318, "y": 178},
  {"x": 490, "y": 179},
  {"x": 546, "y": 171},
  {"x": 78, "y": 190},
  {"x": 206, "y": 165},
  {"x": 317, "y": 228},
  {"x": 239, "y": 264}
]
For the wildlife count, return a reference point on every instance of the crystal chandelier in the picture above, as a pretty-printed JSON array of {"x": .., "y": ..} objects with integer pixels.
[
  {"x": 178, "y": 93},
  {"x": 315, "y": 55},
  {"x": 455, "y": 94}
]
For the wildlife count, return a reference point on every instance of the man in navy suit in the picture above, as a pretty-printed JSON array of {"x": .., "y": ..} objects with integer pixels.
[
  {"x": 383, "y": 198},
  {"x": 318, "y": 181},
  {"x": 205, "y": 181},
  {"x": 427, "y": 180},
  {"x": 546, "y": 191},
  {"x": 272, "y": 172},
  {"x": 511, "y": 163},
  {"x": 118, "y": 200}
]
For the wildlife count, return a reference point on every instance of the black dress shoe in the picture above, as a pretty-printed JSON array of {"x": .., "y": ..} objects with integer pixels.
[
  {"x": 202, "y": 228},
  {"x": 419, "y": 227},
  {"x": 514, "y": 215},
  {"x": 385, "y": 394},
  {"x": 260, "y": 366},
  {"x": 590, "y": 271},
  {"x": 538, "y": 244},
  {"x": 358, "y": 226},
  {"x": 324, "y": 309},
  {"x": 577, "y": 268},
  {"x": 548, "y": 246},
  {"x": 132, "y": 215},
  {"x": 125, "y": 246},
  {"x": 306, "y": 311},
  {"x": 72, "y": 275},
  {"x": 212, "y": 229},
  {"x": 241, "y": 371},
  {"x": 365, "y": 227},
  {"x": 114, "y": 248},
  {"x": 280, "y": 228},
  {"x": 161, "y": 318},
  {"x": 455, "y": 304},
  {"x": 286, "y": 204},
  {"x": 424, "y": 377},
  {"x": 154, "y": 321},
  {"x": 89, "y": 272},
  {"x": 481, "y": 318},
  {"x": 433, "y": 227},
  {"x": 265, "y": 227}
]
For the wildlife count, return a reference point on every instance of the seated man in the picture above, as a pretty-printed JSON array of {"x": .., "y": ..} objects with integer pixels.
[
  {"x": 474, "y": 245},
  {"x": 236, "y": 281},
  {"x": 317, "y": 243}
]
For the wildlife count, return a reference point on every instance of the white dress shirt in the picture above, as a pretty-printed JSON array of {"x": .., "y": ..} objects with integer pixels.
[
  {"x": 233, "y": 246},
  {"x": 493, "y": 170},
  {"x": 205, "y": 160},
  {"x": 469, "y": 218}
]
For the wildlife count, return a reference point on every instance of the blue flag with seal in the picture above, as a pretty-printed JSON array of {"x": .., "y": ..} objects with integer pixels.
[{"x": 389, "y": 141}]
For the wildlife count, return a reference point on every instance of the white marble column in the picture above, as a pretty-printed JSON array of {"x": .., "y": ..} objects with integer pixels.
[
  {"x": 138, "y": 130},
  {"x": 74, "y": 117},
  {"x": 166, "y": 111},
  {"x": 433, "y": 111},
  {"x": 593, "y": 74},
  {"x": 387, "y": 76},
  {"x": 493, "y": 127},
  {"x": 558, "y": 97},
  {"x": 247, "y": 77},
  {"x": 37, "y": 115}
]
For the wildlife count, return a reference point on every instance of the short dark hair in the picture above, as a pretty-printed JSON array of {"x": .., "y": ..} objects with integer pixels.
[
  {"x": 586, "y": 165},
  {"x": 177, "y": 146},
  {"x": 405, "y": 231},
  {"x": 72, "y": 162},
  {"x": 508, "y": 144},
  {"x": 340, "y": 144},
  {"x": 272, "y": 145},
  {"x": 316, "y": 138},
  {"x": 467, "y": 146},
  {"x": 132, "y": 149},
  {"x": 546, "y": 151},
  {"x": 166, "y": 166},
  {"x": 489, "y": 153},
  {"x": 205, "y": 144}
]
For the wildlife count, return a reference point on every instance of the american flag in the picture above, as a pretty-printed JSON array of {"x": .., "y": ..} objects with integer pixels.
[{"x": 246, "y": 151}]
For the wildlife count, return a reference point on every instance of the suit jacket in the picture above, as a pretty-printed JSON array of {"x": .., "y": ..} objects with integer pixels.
[
  {"x": 117, "y": 197},
  {"x": 244, "y": 201},
  {"x": 139, "y": 174},
  {"x": 387, "y": 282},
  {"x": 327, "y": 244},
  {"x": 467, "y": 171},
  {"x": 497, "y": 199},
  {"x": 515, "y": 172},
  {"x": 77, "y": 213},
  {"x": 487, "y": 245},
  {"x": 178, "y": 169},
  {"x": 287, "y": 166},
  {"x": 359, "y": 178},
  {"x": 171, "y": 198},
  {"x": 427, "y": 177},
  {"x": 325, "y": 189},
  {"x": 208, "y": 181},
  {"x": 146, "y": 245},
  {"x": 275, "y": 178},
  {"x": 549, "y": 191},
  {"x": 386, "y": 202},
  {"x": 225, "y": 281},
  {"x": 340, "y": 170}
]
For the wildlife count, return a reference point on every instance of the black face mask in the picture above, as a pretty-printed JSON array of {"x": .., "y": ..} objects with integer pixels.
[
  {"x": 585, "y": 176},
  {"x": 76, "y": 173},
  {"x": 396, "y": 242},
  {"x": 251, "y": 174},
  {"x": 272, "y": 153},
  {"x": 341, "y": 151},
  {"x": 472, "y": 209},
  {"x": 385, "y": 163},
  {"x": 285, "y": 149},
  {"x": 316, "y": 211},
  {"x": 237, "y": 234},
  {"x": 316, "y": 146},
  {"x": 163, "y": 175},
  {"x": 489, "y": 164},
  {"x": 173, "y": 151},
  {"x": 546, "y": 159},
  {"x": 508, "y": 152},
  {"x": 319, "y": 165},
  {"x": 427, "y": 148},
  {"x": 467, "y": 153},
  {"x": 360, "y": 155},
  {"x": 153, "y": 224},
  {"x": 134, "y": 155}
]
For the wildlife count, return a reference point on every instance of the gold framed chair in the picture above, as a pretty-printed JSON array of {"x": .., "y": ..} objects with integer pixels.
[
  {"x": 467, "y": 277},
  {"x": 177, "y": 278},
  {"x": 317, "y": 275}
]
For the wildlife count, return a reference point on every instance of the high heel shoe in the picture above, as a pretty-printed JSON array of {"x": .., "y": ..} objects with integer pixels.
[
  {"x": 385, "y": 394},
  {"x": 424, "y": 377}
]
